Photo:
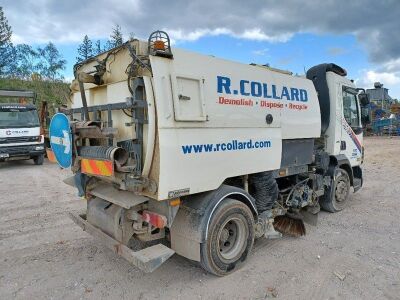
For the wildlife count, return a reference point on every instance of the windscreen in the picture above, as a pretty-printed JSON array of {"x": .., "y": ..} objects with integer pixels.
[{"x": 18, "y": 118}]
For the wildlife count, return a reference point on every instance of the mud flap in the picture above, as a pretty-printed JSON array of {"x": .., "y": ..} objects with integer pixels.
[{"x": 146, "y": 260}]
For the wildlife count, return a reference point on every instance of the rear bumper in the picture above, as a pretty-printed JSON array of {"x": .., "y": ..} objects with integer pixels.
[
  {"x": 147, "y": 259},
  {"x": 22, "y": 151}
]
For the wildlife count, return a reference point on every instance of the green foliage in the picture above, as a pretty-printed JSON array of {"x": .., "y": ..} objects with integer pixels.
[
  {"x": 116, "y": 38},
  {"x": 24, "y": 68},
  {"x": 85, "y": 50},
  {"x": 97, "y": 48},
  {"x": 6, "y": 47},
  {"x": 55, "y": 93},
  {"x": 51, "y": 63},
  {"x": 26, "y": 61},
  {"x": 22, "y": 61}
]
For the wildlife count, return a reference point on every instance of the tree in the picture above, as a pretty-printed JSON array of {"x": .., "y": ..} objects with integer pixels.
[
  {"x": 97, "y": 48},
  {"x": 51, "y": 62},
  {"x": 85, "y": 50},
  {"x": 132, "y": 36},
  {"x": 116, "y": 38},
  {"x": 26, "y": 61},
  {"x": 6, "y": 47}
]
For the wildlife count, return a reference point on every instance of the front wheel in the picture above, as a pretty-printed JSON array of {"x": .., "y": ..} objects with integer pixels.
[
  {"x": 38, "y": 160},
  {"x": 230, "y": 238},
  {"x": 337, "y": 194}
]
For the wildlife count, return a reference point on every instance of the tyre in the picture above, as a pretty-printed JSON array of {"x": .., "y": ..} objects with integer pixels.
[
  {"x": 38, "y": 160},
  {"x": 230, "y": 238},
  {"x": 337, "y": 195}
]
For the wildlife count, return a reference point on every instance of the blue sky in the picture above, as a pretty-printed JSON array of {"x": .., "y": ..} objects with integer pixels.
[
  {"x": 359, "y": 35},
  {"x": 299, "y": 53}
]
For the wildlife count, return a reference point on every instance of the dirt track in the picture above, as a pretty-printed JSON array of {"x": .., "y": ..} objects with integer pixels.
[{"x": 43, "y": 255}]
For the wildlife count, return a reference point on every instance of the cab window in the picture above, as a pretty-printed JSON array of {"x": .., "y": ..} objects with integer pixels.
[{"x": 350, "y": 109}]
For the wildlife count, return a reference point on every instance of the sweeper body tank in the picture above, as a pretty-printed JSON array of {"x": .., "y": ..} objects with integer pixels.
[{"x": 198, "y": 155}]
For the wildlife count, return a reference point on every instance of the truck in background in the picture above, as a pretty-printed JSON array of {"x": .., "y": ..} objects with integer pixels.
[
  {"x": 20, "y": 131},
  {"x": 186, "y": 153}
]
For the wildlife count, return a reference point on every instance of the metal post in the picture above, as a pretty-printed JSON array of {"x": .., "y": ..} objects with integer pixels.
[{"x": 84, "y": 102}]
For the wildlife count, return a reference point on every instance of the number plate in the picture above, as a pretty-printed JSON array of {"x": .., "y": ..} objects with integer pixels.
[{"x": 4, "y": 155}]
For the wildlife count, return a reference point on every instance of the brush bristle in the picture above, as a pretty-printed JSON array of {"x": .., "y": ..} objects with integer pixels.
[{"x": 289, "y": 226}]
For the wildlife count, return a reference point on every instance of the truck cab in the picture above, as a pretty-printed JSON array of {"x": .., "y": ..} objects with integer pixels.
[
  {"x": 20, "y": 136},
  {"x": 343, "y": 107}
]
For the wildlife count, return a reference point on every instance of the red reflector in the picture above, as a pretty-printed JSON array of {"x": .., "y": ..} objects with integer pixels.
[{"x": 154, "y": 219}]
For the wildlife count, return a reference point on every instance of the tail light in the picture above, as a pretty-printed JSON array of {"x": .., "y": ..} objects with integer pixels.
[{"x": 154, "y": 219}]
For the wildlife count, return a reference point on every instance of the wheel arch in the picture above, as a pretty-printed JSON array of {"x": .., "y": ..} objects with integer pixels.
[
  {"x": 342, "y": 162},
  {"x": 206, "y": 203},
  {"x": 190, "y": 226}
]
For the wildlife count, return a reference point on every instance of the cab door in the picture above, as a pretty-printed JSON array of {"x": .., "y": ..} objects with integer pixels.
[{"x": 352, "y": 132}]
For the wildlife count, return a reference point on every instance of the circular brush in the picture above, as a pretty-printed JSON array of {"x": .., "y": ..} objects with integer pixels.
[{"x": 291, "y": 224}]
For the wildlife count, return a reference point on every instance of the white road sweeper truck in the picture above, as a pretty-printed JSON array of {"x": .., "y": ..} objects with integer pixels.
[{"x": 178, "y": 152}]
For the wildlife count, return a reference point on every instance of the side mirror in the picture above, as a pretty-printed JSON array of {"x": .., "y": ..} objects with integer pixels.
[
  {"x": 365, "y": 118},
  {"x": 364, "y": 99}
]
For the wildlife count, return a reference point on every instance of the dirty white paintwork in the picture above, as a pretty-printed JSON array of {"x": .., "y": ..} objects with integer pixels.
[
  {"x": 207, "y": 121},
  {"x": 186, "y": 93},
  {"x": 338, "y": 129}
]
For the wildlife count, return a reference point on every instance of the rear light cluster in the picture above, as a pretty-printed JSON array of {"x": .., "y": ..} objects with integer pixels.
[{"x": 155, "y": 219}]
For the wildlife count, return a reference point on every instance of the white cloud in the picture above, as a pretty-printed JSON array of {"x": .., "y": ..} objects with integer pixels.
[
  {"x": 253, "y": 34},
  {"x": 383, "y": 77},
  {"x": 268, "y": 20},
  {"x": 260, "y": 52},
  {"x": 257, "y": 35},
  {"x": 390, "y": 80},
  {"x": 392, "y": 65},
  {"x": 38, "y": 21},
  {"x": 181, "y": 35}
]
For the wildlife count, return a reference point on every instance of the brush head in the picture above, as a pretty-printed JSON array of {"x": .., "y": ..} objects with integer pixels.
[{"x": 289, "y": 225}]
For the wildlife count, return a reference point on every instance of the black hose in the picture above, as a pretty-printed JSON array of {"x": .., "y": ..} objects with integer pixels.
[
  {"x": 117, "y": 154},
  {"x": 264, "y": 189}
]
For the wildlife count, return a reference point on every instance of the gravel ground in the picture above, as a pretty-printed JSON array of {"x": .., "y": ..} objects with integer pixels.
[{"x": 354, "y": 254}]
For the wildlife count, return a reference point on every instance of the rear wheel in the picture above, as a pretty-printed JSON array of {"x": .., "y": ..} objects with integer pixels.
[
  {"x": 230, "y": 238},
  {"x": 337, "y": 194},
  {"x": 38, "y": 160}
]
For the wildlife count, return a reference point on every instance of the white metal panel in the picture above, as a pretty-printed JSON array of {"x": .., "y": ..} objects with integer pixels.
[
  {"x": 241, "y": 119},
  {"x": 188, "y": 94},
  {"x": 297, "y": 118},
  {"x": 206, "y": 170}
]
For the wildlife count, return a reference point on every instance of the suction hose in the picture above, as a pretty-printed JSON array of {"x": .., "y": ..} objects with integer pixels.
[
  {"x": 117, "y": 154},
  {"x": 264, "y": 189}
]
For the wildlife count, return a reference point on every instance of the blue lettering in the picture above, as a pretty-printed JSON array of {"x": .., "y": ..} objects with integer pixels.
[
  {"x": 295, "y": 94},
  {"x": 274, "y": 95},
  {"x": 187, "y": 149},
  {"x": 265, "y": 88},
  {"x": 256, "y": 89},
  {"x": 259, "y": 89},
  {"x": 303, "y": 95},
  {"x": 223, "y": 83},
  {"x": 285, "y": 93},
  {"x": 242, "y": 87}
]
